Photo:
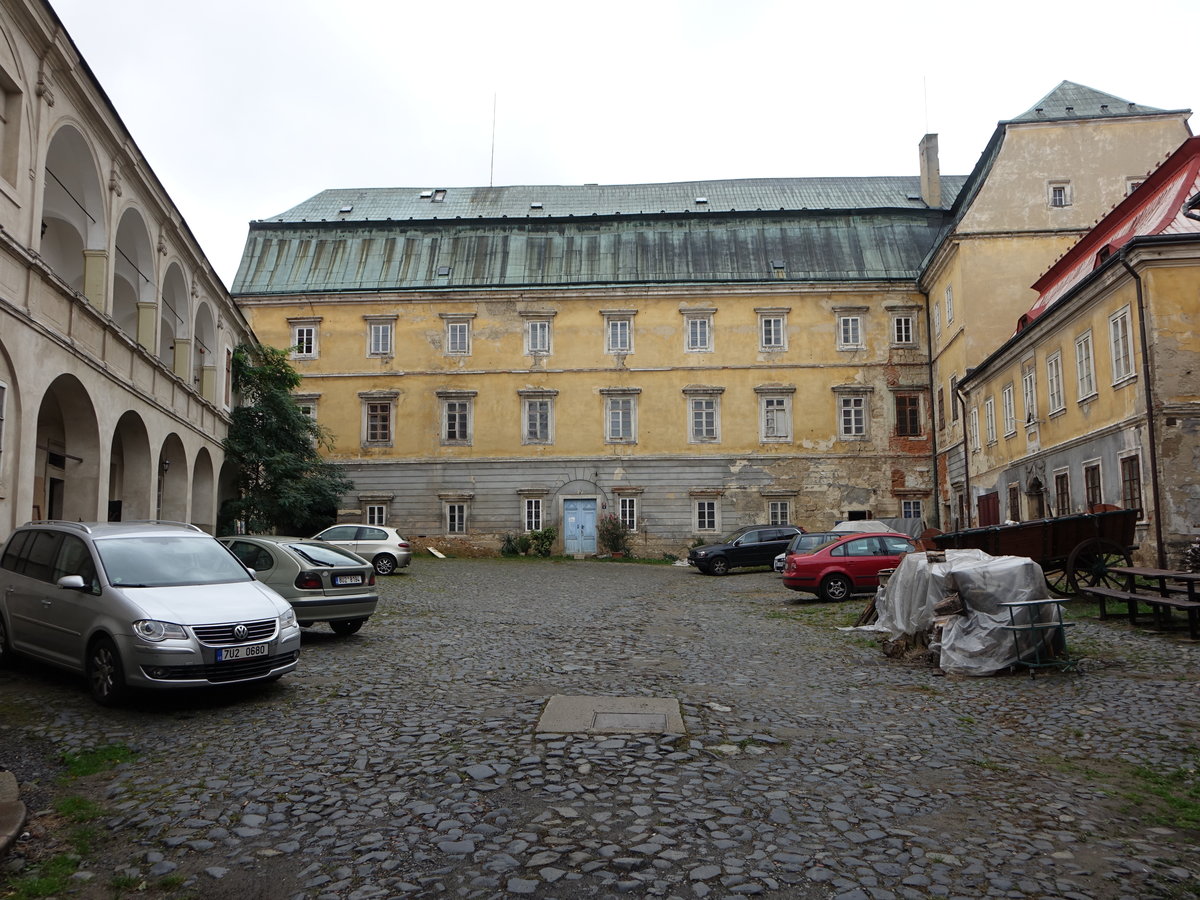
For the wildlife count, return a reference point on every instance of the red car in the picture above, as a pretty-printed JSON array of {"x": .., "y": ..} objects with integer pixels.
[{"x": 845, "y": 565}]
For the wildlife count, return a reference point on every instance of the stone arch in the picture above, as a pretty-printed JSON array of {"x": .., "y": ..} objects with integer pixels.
[
  {"x": 173, "y": 470},
  {"x": 173, "y": 323},
  {"x": 204, "y": 493},
  {"x": 204, "y": 351},
  {"x": 10, "y": 430},
  {"x": 133, "y": 279},
  {"x": 73, "y": 211},
  {"x": 227, "y": 492},
  {"x": 130, "y": 471},
  {"x": 67, "y": 471}
]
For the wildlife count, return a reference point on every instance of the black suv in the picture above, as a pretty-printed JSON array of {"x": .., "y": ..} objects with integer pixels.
[{"x": 754, "y": 545}]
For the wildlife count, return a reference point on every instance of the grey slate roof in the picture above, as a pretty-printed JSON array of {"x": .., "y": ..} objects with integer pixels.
[
  {"x": 1077, "y": 101},
  {"x": 740, "y": 195}
]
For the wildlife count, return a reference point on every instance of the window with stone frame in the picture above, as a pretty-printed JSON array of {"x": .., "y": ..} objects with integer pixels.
[
  {"x": 628, "y": 512},
  {"x": 379, "y": 422},
  {"x": 1093, "y": 495},
  {"x": 1054, "y": 383},
  {"x": 305, "y": 337},
  {"x": 1014, "y": 502},
  {"x": 1131, "y": 484},
  {"x": 698, "y": 331},
  {"x": 989, "y": 419},
  {"x": 1122, "y": 346},
  {"x": 537, "y": 337},
  {"x": 456, "y": 518},
  {"x": 376, "y": 513},
  {"x": 779, "y": 512},
  {"x": 910, "y": 509},
  {"x": 458, "y": 409},
  {"x": 533, "y": 513},
  {"x": 775, "y": 414},
  {"x": 706, "y": 515},
  {"x": 908, "y": 415},
  {"x": 379, "y": 337},
  {"x": 852, "y": 416},
  {"x": 903, "y": 332},
  {"x": 458, "y": 333},
  {"x": 1008, "y": 409},
  {"x": 1085, "y": 369},
  {"x": 1062, "y": 493},
  {"x": 772, "y": 330},
  {"x": 620, "y": 416}
]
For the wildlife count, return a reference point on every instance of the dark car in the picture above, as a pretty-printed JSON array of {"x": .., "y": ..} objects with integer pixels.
[
  {"x": 753, "y": 545},
  {"x": 846, "y": 565}
]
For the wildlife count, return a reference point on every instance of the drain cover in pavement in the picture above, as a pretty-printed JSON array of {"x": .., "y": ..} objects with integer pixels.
[{"x": 611, "y": 715}]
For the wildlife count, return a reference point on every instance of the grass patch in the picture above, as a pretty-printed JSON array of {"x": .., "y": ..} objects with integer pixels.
[
  {"x": 78, "y": 809},
  {"x": 99, "y": 759},
  {"x": 1169, "y": 799}
]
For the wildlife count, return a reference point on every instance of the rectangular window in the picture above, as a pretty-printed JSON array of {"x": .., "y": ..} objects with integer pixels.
[
  {"x": 771, "y": 329},
  {"x": 849, "y": 332},
  {"x": 949, "y": 304},
  {"x": 533, "y": 514},
  {"x": 1014, "y": 502},
  {"x": 953, "y": 398},
  {"x": 941, "y": 403},
  {"x": 973, "y": 428},
  {"x": 620, "y": 336},
  {"x": 304, "y": 341},
  {"x": 537, "y": 337},
  {"x": 1122, "y": 347},
  {"x": 537, "y": 421},
  {"x": 703, "y": 419},
  {"x": 910, "y": 509},
  {"x": 1092, "y": 496},
  {"x": 706, "y": 515},
  {"x": 776, "y": 419},
  {"x": 937, "y": 320},
  {"x": 1009, "y": 410},
  {"x": 852, "y": 416},
  {"x": 628, "y": 512},
  {"x": 456, "y": 518},
  {"x": 902, "y": 330},
  {"x": 1060, "y": 193},
  {"x": 1054, "y": 382},
  {"x": 380, "y": 341},
  {"x": 779, "y": 512},
  {"x": 1029, "y": 392},
  {"x": 1062, "y": 493},
  {"x": 379, "y": 423},
  {"x": 699, "y": 333},
  {"x": 989, "y": 418},
  {"x": 457, "y": 422},
  {"x": 458, "y": 337},
  {"x": 908, "y": 415},
  {"x": 1085, "y": 371},
  {"x": 376, "y": 514},
  {"x": 620, "y": 420},
  {"x": 1131, "y": 484}
]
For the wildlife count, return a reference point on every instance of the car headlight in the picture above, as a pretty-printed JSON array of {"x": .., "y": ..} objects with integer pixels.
[
  {"x": 702, "y": 553},
  {"x": 287, "y": 619},
  {"x": 154, "y": 630}
]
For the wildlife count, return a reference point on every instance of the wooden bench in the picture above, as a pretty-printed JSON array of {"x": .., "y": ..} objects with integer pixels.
[{"x": 1160, "y": 606}]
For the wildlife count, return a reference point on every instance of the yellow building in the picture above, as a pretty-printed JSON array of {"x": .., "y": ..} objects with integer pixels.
[
  {"x": 690, "y": 357},
  {"x": 115, "y": 333},
  {"x": 1095, "y": 402},
  {"x": 1044, "y": 179}
]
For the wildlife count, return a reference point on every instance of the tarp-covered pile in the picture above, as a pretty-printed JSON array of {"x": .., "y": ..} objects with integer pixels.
[{"x": 973, "y": 641}]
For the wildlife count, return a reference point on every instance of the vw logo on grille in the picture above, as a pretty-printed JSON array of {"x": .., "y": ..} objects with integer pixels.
[{"x": 241, "y": 632}]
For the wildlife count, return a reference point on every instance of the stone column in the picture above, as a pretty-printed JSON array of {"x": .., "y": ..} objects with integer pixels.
[
  {"x": 182, "y": 366},
  {"x": 95, "y": 278},
  {"x": 208, "y": 383},
  {"x": 147, "y": 319}
]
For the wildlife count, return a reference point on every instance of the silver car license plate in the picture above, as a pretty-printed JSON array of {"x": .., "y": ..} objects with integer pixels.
[
  {"x": 225, "y": 654},
  {"x": 347, "y": 579}
]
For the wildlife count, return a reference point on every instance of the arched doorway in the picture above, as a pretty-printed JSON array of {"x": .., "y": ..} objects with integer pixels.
[
  {"x": 130, "y": 471},
  {"x": 67, "y": 473},
  {"x": 172, "y": 480},
  {"x": 204, "y": 492}
]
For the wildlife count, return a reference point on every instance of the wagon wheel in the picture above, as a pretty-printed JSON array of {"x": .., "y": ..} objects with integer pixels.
[
  {"x": 1057, "y": 576},
  {"x": 1089, "y": 564}
]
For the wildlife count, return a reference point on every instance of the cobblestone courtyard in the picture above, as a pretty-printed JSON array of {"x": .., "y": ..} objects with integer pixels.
[{"x": 405, "y": 761}]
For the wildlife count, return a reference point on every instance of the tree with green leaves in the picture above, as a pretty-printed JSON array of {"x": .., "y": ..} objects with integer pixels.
[{"x": 284, "y": 485}]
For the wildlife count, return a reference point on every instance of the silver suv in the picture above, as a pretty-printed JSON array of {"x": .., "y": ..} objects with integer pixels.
[{"x": 140, "y": 604}]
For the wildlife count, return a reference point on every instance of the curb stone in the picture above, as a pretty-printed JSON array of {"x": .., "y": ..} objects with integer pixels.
[{"x": 12, "y": 811}]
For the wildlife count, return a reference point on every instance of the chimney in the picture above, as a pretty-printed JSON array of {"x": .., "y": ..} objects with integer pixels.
[{"x": 931, "y": 172}]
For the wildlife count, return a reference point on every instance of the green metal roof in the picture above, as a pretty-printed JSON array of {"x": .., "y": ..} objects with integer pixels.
[
  {"x": 1077, "y": 101},
  {"x": 314, "y": 258},
  {"x": 550, "y": 201}
]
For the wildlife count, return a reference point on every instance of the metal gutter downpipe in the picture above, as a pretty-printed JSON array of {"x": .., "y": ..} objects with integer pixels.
[
  {"x": 933, "y": 444},
  {"x": 966, "y": 442},
  {"x": 1151, "y": 431}
]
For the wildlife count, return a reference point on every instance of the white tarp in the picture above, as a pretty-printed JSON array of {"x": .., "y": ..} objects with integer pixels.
[{"x": 975, "y": 643}]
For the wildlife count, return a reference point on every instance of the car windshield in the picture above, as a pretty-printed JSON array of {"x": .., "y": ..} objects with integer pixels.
[
  {"x": 323, "y": 554},
  {"x": 162, "y": 561}
]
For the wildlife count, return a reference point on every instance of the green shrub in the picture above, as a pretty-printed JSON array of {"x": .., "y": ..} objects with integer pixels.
[
  {"x": 508, "y": 546},
  {"x": 612, "y": 534},
  {"x": 541, "y": 542}
]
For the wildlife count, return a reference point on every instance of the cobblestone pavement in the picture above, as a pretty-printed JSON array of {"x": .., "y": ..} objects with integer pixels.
[{"x": 405, "y": 761}]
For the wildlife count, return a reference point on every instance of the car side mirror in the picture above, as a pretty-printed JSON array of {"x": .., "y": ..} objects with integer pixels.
[{"x": 72, "y": 583}]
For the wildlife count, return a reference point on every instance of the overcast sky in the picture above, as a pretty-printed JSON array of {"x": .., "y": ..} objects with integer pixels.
[{"x": 245, "y": 108}]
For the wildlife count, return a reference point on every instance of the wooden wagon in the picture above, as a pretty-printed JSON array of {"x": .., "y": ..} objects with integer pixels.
[{"x": 1074, "y": 551}]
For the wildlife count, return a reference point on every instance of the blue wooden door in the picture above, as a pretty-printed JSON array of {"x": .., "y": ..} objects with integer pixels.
[{"x": 579, "y": 526}]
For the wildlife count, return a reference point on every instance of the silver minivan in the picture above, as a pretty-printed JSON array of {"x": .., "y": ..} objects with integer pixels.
[{"x": 140, "y": 604}]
